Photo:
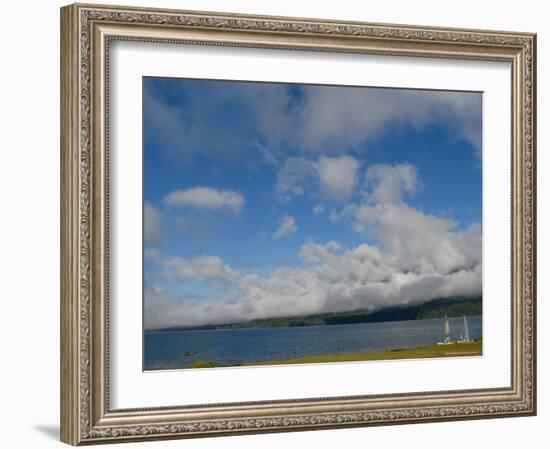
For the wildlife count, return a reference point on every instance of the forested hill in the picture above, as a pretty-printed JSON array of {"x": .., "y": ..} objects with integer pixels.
[{"x": 436, "y": 308}]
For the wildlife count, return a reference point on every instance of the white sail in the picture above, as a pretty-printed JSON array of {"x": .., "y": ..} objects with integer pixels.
[
  {"x": 466, "y": 330},
  {"x": 447, "y": 340}
]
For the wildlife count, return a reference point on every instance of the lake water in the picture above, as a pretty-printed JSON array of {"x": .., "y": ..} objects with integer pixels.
[{"x": 166, "y": 349}]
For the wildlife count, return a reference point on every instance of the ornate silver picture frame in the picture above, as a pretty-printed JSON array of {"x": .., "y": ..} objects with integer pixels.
[{"x": 87, "y": 33}]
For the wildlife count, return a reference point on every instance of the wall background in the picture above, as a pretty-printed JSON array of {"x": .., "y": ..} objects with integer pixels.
[{"x": 29, "y": 223}]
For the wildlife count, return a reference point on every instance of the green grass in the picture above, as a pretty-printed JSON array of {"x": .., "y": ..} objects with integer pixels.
[
  {"x": 203, "y": 364},
  {"x": 452, "y": 350}
]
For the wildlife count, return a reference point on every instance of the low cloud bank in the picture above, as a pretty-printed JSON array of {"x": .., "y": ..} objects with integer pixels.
[{"x": 417, "y": 257}]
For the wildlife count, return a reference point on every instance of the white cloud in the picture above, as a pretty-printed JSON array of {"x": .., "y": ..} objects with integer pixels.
[
  {"x": 314, "y": 253},
  {"x": 422, "y": 242},
  {"x": 206, "y": 198},
  {"x": 294, "y": 177},
  {"x": 417, "y": 257},
  {"x": 390, "y": 182},
  {"x": 153, "y": 255},
  {"x": 153, "y": 224},
  {"x": 335, "y": 119},
  {"x": 287, "y": 226},
  {"x": 200, "y": 268},
  {"x": 337, "y": 176},
  {"x": 318, "y": 209},
  {"x": 185, "y": 128},
  {"x": 333, "y": 178},
  {"x": 323, "y": 120},
  {"x": 346, "y": 211},
  {"x": 335, "y": 280}
]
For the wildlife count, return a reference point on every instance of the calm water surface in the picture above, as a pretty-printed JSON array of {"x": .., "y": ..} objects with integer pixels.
[{"x": 166, "y": 349}]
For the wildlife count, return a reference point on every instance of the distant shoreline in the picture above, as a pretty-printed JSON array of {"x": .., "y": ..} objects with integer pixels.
[{"x": 433, "y": 309}]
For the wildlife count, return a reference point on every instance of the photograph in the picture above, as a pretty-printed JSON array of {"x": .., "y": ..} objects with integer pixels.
[{"x": 292, "y": 223}]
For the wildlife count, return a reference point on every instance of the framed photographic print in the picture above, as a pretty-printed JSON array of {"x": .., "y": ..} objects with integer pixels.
[{"x": 280, "y": 224}]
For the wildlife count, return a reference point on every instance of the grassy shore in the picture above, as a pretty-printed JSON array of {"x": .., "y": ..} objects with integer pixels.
[
  {"x": 424, "y": 352},
  {"x": 451, "y": 350}
]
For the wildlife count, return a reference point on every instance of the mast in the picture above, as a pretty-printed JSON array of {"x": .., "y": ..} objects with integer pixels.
[
  {"x": 466, "y": 330},
  {"x": 447, "y": 327}
]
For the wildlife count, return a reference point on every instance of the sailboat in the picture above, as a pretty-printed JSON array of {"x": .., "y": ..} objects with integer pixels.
[
  {"x": 466, "y": 333},
  {"x": 447, "y": 339}
]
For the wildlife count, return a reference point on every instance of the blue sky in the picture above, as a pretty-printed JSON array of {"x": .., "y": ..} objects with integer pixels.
[{"x": 260, "y": 199}]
